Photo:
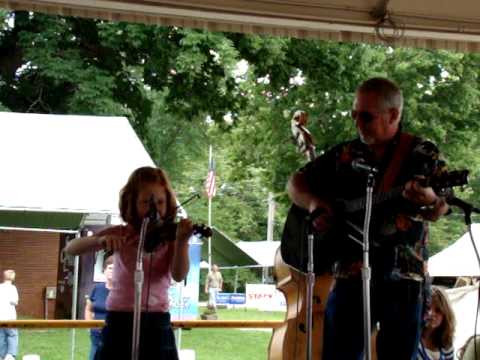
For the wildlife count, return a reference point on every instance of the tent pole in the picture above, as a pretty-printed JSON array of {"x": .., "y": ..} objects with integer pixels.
[
  {"x": 74, "y": 298},
  {"x": 270, "y": 224},
  {"x": 235, "y": 284},
  {"x": 210, "y": 159}
]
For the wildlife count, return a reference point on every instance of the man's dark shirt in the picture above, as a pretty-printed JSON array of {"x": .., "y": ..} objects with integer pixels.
[{"x": 397, "y": 240}]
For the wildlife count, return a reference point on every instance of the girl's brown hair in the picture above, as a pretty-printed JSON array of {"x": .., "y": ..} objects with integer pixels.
[
  {"x": 443, "y": 335},
  {"x": 129, "y": 194}
]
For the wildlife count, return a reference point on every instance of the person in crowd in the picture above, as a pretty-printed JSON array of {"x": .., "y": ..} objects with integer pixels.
[
  {"x": 213, "y": 285},
  {"x": 8, "y": 304},
  {"x": 167, "y": 259},
  {"x": 398, "y": 225},
  {"x": 96, "y": 308},
  {"x": 436, "y": 342}
]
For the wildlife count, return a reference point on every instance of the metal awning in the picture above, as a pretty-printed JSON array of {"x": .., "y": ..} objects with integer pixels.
[
  {"x": 44, "y": 220},
  {"x": 445, "y": 24}
]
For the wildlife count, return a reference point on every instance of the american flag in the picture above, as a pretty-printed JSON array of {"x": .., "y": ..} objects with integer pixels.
[{"x": 210, "y": 187}]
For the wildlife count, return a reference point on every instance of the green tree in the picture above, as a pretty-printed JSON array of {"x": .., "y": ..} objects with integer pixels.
[{"x": 181, "y": 90}]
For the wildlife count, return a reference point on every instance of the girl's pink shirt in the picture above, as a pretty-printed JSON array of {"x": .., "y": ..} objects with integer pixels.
[{"x": 156, "y": 269}]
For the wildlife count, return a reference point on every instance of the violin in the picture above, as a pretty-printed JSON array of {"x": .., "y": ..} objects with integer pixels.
[{"x": 161, "y": 232}]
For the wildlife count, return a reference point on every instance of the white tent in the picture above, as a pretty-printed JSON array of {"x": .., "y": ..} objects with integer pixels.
[
  {"x": 459, "y": 258},
  {"x": 263, "y": 252},
  {"x": 64, "y": 167},
  {"x": 464, "y": 302}
]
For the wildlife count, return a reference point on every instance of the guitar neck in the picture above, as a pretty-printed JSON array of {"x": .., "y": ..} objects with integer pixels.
[{"x": 355, "y": 205}]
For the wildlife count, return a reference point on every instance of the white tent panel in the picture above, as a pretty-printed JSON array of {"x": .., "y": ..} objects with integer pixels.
[
  {"x": 66, "y": 163},
  {"x": 464, "y": 302},
  {"x": 263, "y": 252},
  {"x": 459, "y": 258}
]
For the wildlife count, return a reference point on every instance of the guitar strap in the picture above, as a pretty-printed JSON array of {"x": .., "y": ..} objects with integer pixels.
[{"x": 401, "y": 151}]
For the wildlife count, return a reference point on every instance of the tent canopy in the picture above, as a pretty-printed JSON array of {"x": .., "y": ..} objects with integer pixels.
[
  {"x": 59, "y": 169},
  {"x": 459, "y": 258},
  {"x": 226, "y": 253},
  {"x": 428, "y": 23},
  {"x": 262, "y": 251}
]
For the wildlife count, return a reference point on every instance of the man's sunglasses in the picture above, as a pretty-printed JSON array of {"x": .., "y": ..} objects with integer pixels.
[{"x": 364, "y": 116}]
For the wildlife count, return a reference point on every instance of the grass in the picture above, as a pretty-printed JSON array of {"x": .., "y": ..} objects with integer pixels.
[
  {"x": 209, "y": 344},
  {"x": 54, "y": 344}
]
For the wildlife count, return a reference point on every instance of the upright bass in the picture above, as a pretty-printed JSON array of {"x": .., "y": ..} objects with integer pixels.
[{"x": 289, "y": 342}]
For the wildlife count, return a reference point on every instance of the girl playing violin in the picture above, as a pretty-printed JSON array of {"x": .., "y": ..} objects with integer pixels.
[{"x": 168, "y": 260}]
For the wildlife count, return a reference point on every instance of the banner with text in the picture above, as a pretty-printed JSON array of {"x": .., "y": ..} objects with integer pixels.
[{"x": 265, "y": 297}]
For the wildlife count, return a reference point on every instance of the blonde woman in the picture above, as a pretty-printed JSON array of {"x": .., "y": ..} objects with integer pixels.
[{"x": 437, "y": 335}]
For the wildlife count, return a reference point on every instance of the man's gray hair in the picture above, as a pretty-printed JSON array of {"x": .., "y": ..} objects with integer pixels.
[{"x": 389, "y": 92}]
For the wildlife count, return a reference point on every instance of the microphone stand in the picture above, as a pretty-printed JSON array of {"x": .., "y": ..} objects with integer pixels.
[
  {"x": 138, "y": 279},
  {"x": 366, "y": 270},
  {"x": 310, "y": 287},
  {"x": 152, "y": 215},
  {"x": 310, "y": 281},
  {"x": 468, "y": 209}
]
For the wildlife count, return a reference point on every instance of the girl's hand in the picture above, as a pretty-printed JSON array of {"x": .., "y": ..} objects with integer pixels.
[
  {"x": 113, "y": 242},
  {"x": 184, "y": 231}
]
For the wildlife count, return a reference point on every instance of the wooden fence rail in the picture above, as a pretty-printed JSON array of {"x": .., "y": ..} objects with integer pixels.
[{"x": 184, "y": 324}]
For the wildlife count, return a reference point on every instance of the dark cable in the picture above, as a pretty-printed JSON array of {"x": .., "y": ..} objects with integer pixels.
[
  {"x": 148, "y": 282},
  {"x": 476, "y": 321}
]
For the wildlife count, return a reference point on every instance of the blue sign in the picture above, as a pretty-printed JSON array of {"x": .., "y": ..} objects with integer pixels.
[
  {"x": 183, "y": 297},
  {"x": 231, "y": 298}
]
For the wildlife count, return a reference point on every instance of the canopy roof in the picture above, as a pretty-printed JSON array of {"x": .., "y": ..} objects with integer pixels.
[
  {"x": 459, "y": 258},
  {"x": 57, "y": 169},
  {"x": 226, "y": 253},
  {"x": 428, "y": 23},
  {"x": 263, "y": 252}
]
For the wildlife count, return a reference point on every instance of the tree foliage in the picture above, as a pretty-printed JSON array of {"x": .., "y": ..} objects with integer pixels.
[{"x": 182, "y": 91}]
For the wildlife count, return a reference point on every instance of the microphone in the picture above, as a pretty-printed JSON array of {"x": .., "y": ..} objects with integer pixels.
[
  {"x": 152, "y": 213},
  {"x": 362, "y": 166}
]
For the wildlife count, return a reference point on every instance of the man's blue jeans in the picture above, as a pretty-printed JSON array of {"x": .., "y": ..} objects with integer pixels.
[
  {"x": 395, "y": 305},
  {"x": 8, "y": 342}
]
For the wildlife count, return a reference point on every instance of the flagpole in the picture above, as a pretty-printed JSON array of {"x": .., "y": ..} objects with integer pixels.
[{"x": 210, "y": 157}]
